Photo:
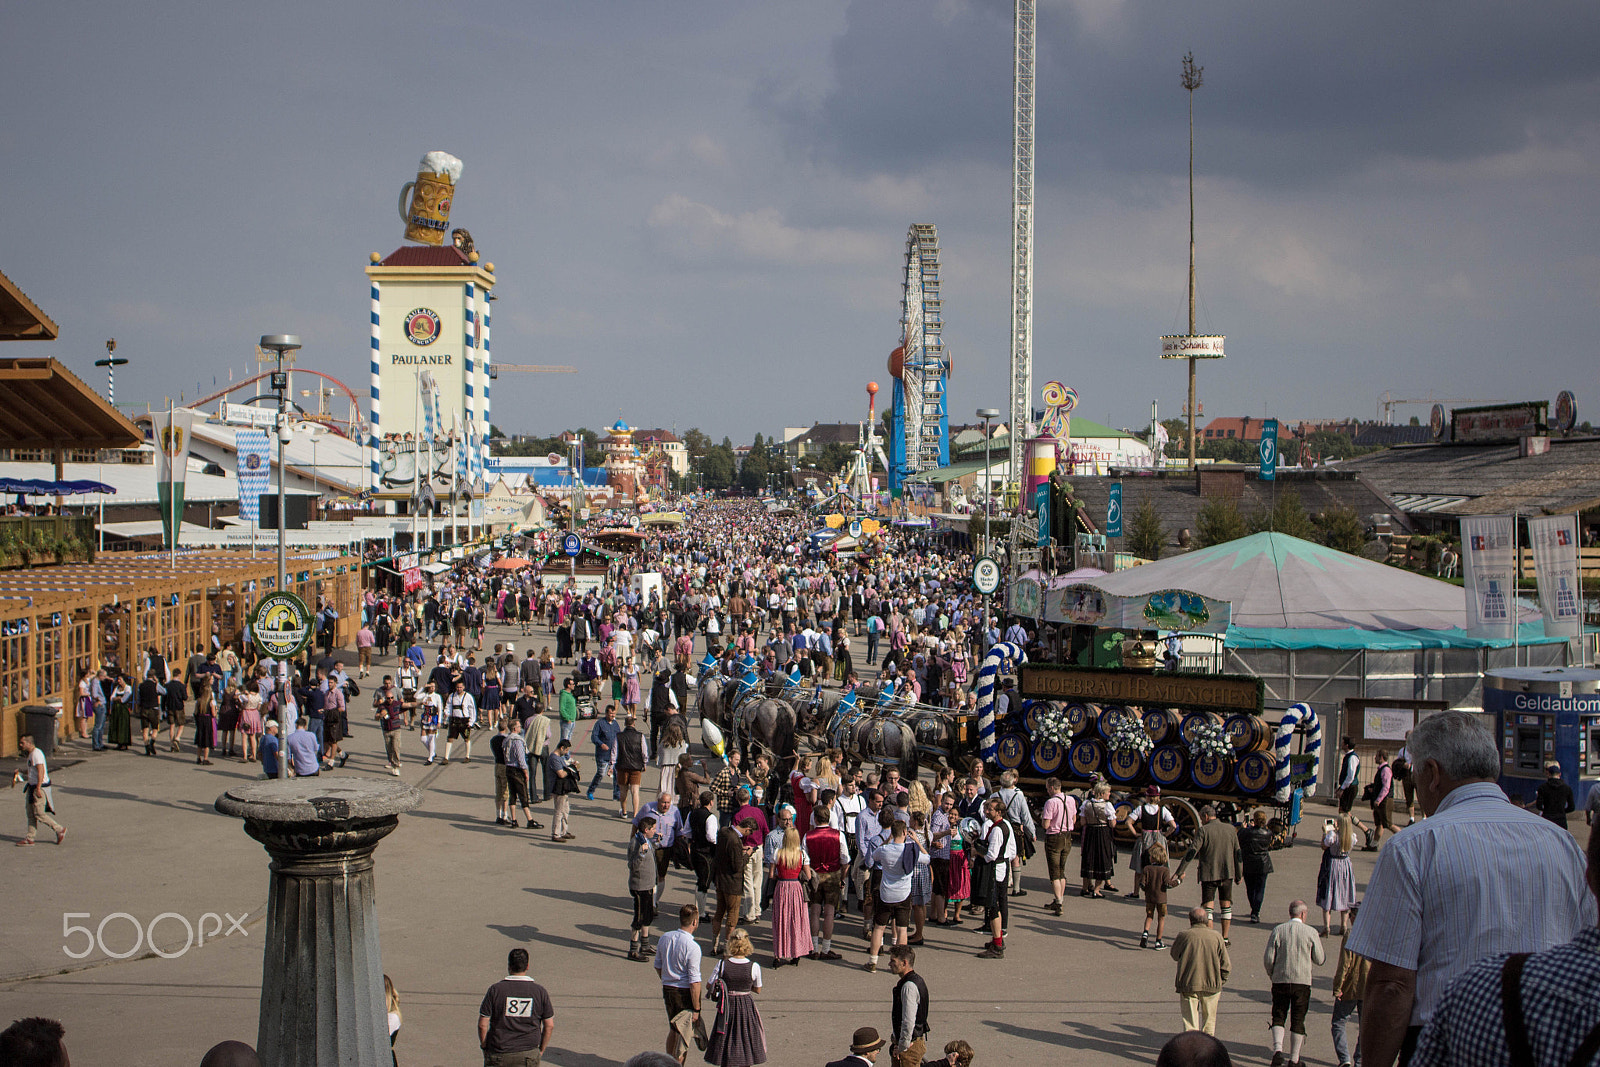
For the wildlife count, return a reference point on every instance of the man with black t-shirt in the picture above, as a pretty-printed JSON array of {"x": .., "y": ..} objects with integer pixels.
[{"x": 516, "y": 1020}]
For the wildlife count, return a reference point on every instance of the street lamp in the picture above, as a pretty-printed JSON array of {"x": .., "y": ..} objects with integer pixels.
[
  {"x": 278, "y": 344},
  {"x": 986, "y": 414}
]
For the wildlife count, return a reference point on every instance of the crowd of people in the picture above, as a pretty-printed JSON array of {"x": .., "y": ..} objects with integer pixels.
[{"x": 796, "y": 857}]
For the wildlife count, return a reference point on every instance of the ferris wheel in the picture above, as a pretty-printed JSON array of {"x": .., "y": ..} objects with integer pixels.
[{"x": 920, "y": 435}]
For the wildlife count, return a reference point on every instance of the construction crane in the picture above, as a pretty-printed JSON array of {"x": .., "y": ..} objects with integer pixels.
[
  {"x": 527, "y": 368},
  {"x": 1022, "y": 64},
  {"x": 1388, "y": 402}
]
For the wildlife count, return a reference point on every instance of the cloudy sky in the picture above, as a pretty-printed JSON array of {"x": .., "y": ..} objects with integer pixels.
[{"x": 703, "y": 205}]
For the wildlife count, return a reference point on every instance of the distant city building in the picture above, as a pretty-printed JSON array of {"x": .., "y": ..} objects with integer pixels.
[
  {"x": 672, "y": 448},
  {"x": 810, "y": 444},
  {"x": 1244, "y": 428}
]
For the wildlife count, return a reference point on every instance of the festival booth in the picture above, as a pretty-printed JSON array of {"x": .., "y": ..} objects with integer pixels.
[
  {"x": 1324, "y": 628},
  {"x": 57, "y": 622}
]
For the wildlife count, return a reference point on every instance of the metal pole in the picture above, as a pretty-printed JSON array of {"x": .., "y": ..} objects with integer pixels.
[{"x": 172, "y": 494}]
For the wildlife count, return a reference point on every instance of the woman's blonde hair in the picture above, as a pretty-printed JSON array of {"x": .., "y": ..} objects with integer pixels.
[
  {"x": 1347, "y": 832},
  {"x": 391, "y": 997},
  {"x": 739, "y": 945},
  {"x": 919, "y": 800},
  {"x": 790, "y": 855}
]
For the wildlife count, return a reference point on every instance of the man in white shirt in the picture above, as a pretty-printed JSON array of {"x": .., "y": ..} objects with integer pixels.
[
  {"x": 1478, "y": 877},
  {"x": 895, "y": 860},
  {"x": 997, "y": 847},
  {"x": 1017, "y": 811},
  {"x": 678, "y": 964},
  {"x": 462, "y": 712},
  {"x": 37, "y": 796}
]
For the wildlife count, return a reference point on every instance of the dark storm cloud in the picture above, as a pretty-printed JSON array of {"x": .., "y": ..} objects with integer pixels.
[{"x": 1294, "y": 94}]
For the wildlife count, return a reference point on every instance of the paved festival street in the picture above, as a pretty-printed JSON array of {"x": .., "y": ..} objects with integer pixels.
[{"x": 455, "y": 892}]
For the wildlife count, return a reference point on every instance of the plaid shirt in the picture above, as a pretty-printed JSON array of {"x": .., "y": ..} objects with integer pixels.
[
  {"x": 1560, "y": 1005},
  {"x": 723, "y": 786}
]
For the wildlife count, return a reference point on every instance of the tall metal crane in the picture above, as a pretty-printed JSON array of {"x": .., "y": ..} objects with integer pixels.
[
  {"x": 1388, "y": 402},
  {"x": 1021, "y": 235},
  {"x": 528, "y": 368}
]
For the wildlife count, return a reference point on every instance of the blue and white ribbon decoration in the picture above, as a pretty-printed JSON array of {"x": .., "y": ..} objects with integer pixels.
[
  {"x": 373, "y": 459},
  {"x": 999, "y": 653},
  {"x": 1293, "y": 717}
]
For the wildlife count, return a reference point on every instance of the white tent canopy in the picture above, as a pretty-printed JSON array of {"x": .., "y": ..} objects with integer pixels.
[{"x": 1274, "y": 580}]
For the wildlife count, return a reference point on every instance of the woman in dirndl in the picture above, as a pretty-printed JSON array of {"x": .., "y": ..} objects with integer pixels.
[
  {"x": 922, "y": 874},
  {"x": 119, "y": 730},
  {"x": 1099, "y": 853},
  {"x": 1150, "y": 823},
  {"x": 1336, "y": 881},
  {"x": 737, "y": 1037},
  {"x": 490, "y": 702},
  {"x": 791, "y": 920},
  {"x": 85, "y": 705},
  {"x": 630, "y": 686},
  {"x": 205, "y": 726},
  {"x": 960, "y": 878},
  {"x": 250, "y": 723}
]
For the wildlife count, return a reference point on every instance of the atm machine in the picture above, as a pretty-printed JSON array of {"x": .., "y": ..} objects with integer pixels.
[{"x": 1543, "y": 714}]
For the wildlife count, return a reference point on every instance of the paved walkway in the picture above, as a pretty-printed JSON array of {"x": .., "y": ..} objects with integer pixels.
[{"x": 456, "y": 892}]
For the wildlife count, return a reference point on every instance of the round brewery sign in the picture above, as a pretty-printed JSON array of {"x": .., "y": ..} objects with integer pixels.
[
  {"x": 1566, "y": 411},
  {"x": 986, "y": 576},
  {"x": 422, "y": 326},
  {"x": 281, "y": 625}
]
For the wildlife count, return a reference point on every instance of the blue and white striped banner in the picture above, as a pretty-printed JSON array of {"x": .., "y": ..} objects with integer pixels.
[{"x": 254, "y": 449}]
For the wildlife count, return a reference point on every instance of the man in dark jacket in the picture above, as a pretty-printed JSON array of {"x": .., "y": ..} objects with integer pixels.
[
  {"x": 1554, "y": 799},
  {"x": 908, "y": 1031},
  {"x": 633, "y": 754}
]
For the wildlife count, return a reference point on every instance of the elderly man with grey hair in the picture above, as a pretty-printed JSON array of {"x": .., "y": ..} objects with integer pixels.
[
  {"x": 1292, "y": 950},
  {"x": 1480, "y": 876}
]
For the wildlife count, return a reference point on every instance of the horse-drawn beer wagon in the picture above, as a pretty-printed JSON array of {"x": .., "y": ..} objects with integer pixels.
[{"x": 1202, "y": 738}]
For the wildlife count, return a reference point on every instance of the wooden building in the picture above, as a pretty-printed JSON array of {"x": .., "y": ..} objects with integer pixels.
[{"x": 58, "y": 622}]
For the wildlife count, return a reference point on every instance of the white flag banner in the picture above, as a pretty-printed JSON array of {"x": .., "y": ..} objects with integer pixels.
[
  {"x": 1490, "y": 572},
  {"x": 172, "y": 429},
  {"x": 1555, "y": 557}
]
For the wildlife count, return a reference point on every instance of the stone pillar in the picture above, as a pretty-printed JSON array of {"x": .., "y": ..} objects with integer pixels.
[{"x": 321, "y": 971}]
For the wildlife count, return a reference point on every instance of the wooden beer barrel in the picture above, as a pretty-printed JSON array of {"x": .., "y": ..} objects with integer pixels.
[
  {"x": 1048, "y": 757},
  {"x": 1030, "y": 713},
  {"x": 1192, "y": 719},
  {"x": 1122, "y": 810},
  {"x": 1124, "y": 766},
  {"x": 1109, "y": 714},
  {"x": 1248, "y": 733},
  {"x": 1210, "y": 773},
  {"x": 1082, "y": 717},
  {"x": 1086, "y": 757},
  {"x": 1162, "y": 724},
  {"x": 1169, "y": 765},
  {"x": 1012, "y": 752},
  {"x": 1254, "y": 773}
]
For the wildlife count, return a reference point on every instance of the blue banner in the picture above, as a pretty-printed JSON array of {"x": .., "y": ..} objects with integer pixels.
[
  {"x": 254, "y": 451},
  {"x": 1041, "y": 505},
  {"x": 1269, "y": 450},
  {"x": 1114, "y": 511}
]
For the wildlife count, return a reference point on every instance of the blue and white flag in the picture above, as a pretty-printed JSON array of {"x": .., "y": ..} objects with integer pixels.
[
  {"x": 1269, "y": 450},
  {"x": 253, "y": 447}
]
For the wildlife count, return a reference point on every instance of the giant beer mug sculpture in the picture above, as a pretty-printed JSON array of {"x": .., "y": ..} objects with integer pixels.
[{"x": 427, "y": 218}]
